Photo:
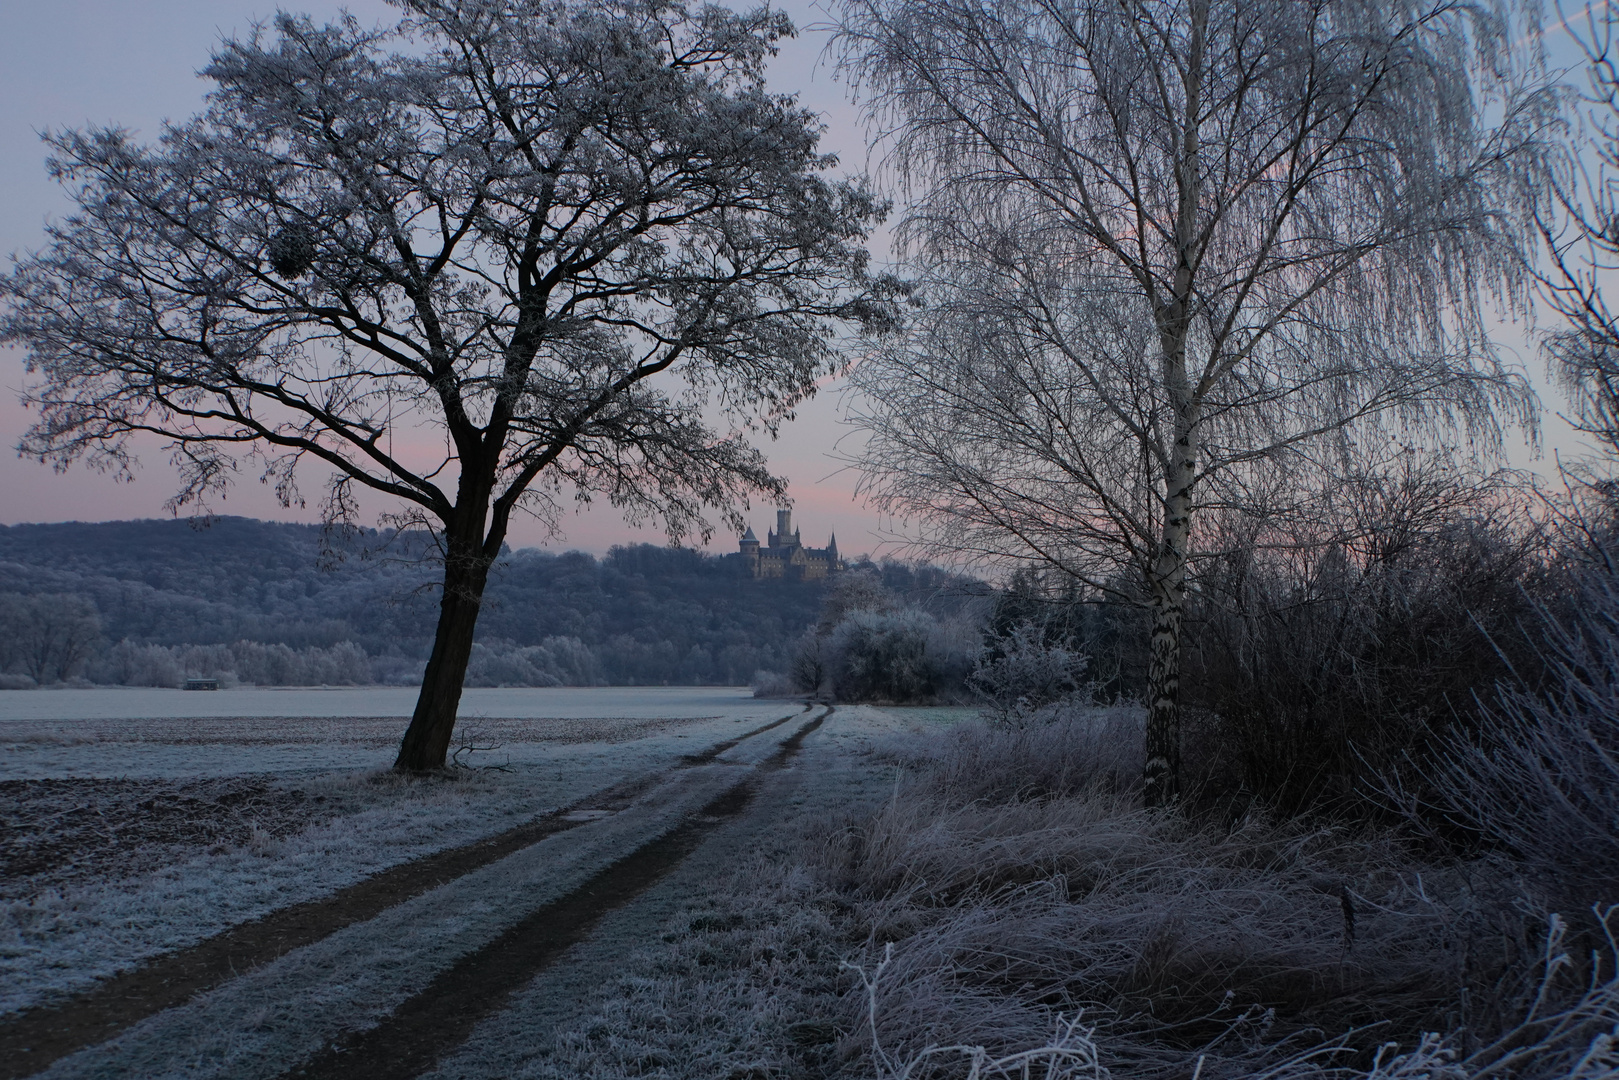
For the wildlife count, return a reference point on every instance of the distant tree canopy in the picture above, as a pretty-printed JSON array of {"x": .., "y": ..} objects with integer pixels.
[{"x": 642, "y": 614}]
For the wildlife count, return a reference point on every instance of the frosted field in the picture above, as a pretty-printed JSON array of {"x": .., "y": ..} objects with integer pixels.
[
  {"x": 135, "y": 821},
  {"x": 147, "y": 703},
  {"x": 152, "y": 733}
]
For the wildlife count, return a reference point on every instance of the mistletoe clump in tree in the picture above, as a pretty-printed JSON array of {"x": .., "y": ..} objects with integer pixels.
[{"x": 561, "y": 238}]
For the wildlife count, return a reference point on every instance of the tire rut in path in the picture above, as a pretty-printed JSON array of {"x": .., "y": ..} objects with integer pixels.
[
  {"x": 440, "y": 1018},
  {"x": 37, "y": 1037}
]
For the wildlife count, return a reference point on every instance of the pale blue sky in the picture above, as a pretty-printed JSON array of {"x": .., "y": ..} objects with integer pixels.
[{"x": 71, "y": 62}]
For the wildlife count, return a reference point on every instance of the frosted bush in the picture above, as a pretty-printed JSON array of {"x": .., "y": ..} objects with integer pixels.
[
  {"x": 772, "y": 684},
  {"x": 897, "y": 656},
  {"x": 253, "y": 662},
  {"x": 128, "y": 664},
  {"x": 506, "y": 665},
  {"x": 556, "y": 661},
  {"x": 1541, "y": 777},
  {"x": 574, "y": 662},
  {"x": 1024, "y": 675}
]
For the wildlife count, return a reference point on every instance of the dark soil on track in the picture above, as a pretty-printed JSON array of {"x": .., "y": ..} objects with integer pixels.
[
  {"x": 58, "y": 832},
  {"x": 435, "y": 1021}
]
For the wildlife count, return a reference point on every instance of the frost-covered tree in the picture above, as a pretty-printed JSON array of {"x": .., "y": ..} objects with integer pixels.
[
  {"x": 47, "y": 636},
  {"x": 1583, "y": 238},
  {"x": 499, "y": 252},
  {"x": 1172, "y": 249}
]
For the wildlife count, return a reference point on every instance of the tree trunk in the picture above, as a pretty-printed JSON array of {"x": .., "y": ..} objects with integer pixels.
[
  {"x": 1162, "y": 777},
  {"x": 427, "y": 740},
  {"x": 1167, "y": 581},
  {"x": 1167, "y": 590}
]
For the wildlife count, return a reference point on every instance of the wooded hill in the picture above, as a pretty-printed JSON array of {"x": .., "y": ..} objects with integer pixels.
[{"x": 641, "y": 614}]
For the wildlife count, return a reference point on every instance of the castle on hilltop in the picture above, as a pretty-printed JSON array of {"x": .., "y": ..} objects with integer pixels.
[{"x": 785, "y": 556}]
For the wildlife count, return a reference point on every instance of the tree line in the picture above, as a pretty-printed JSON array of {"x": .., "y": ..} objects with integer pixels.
[{"x": 153, "y": 602}]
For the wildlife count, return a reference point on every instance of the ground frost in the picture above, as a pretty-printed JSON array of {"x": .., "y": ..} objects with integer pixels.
[
  {"x": 282, "y": 1012},
  {"x": 91, "y": 906}
]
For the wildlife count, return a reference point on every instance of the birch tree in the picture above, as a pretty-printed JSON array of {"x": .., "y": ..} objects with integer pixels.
[
  {"x": 1582, "y": 236},
  {"x": 1172, "y": 249},
  {"x": 500, "y": 252}
]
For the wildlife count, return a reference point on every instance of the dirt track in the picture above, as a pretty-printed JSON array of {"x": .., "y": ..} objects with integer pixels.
[
  {"x": 82, "y": 1036},
  {"x": 437, "y": 1020}
]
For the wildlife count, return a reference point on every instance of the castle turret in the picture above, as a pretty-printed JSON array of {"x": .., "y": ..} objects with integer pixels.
[{"x": 784, "y": 554}]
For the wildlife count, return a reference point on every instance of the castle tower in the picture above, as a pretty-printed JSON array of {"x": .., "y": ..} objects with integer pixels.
[{"x": 784, "y": 555}]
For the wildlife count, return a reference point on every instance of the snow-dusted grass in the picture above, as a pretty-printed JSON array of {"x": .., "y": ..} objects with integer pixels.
[
  {"x": 230, "y": 746},
  {"x": 741, "y": 983},
  {"x": 60, "y": 933},
  {"x": 62, "y": 939},
  {"x": 1264, "y": 949},
  {"x": 130, "y": 702},
  {"x": 728, "y": 969},
  {"x": 261, "y": 1022},
  {"x": 133, "y": 732},
  {"x": 1028, "y": 919},
  {"x": 1009, "y": 912}
]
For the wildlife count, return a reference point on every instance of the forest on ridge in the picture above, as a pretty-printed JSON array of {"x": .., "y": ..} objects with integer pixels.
[{"x": 152, "y": 602}]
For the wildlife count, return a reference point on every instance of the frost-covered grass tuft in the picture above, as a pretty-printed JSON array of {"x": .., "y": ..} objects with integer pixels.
[
  {"x": 996, "y": 913},
  {"x": 1085, "y": 750},
  {"x": 745, "y": 986}
]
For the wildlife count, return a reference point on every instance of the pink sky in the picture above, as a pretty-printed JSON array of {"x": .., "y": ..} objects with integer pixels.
[{"x": 109, "y": 61}]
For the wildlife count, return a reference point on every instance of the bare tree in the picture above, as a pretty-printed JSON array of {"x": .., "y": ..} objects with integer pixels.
[
  {"x": 48, "y": 636},
  {"x": 1583, "y": 239},
  {"x": 1172, "y": 249},
  {"x": 548, "y": 234}
]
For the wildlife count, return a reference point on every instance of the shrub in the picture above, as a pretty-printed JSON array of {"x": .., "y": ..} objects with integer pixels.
[
  {"x": 128, "y": 664},
  {"x": 900, "y": 656},
  {"x": 1539, "y": 777},
  {"x": 771, "y": 684},
  {"x": 556, "y": 661},
  {"x": 1025, "y": 675},
  {"x": 1326, "y": 662},
  {"x": 252, "y": 662}
]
